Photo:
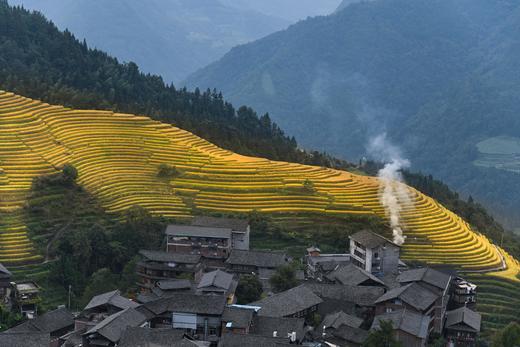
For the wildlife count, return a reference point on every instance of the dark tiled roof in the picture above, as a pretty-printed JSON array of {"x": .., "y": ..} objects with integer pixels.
[
  {"x": 465, "y": 316},
  {"x": 412, "y": 294},
  {"x": 257, "y": 258},
  {"x": 405, "y": 320},
  {"x": 169, "y": 257},
  {"x": 351, "y": 334},
  {"x": 370, "y": 239},
  {"x": 146, "y": 337},
  {"x": 110, "y": 298},
  {"x": 234, "y": 224},
  {"x": 49, "y": 322},
  {"x": 239, "y": 317},
  {"x": 360, "y": 295},
  {"x": 174, "y": 284},
  {"x": 239, "y": 340},
  {"x": 288, "y": 303},
  {"x": 197, "y": 231},
  {"x": 265, "y": 326},
  {"x": 25, "y": 339},
  {"x": 337, "y": 319},
  {"x": 352, "y": 275},
  {"x": 188, "y": 303},
  {"x": 428, "y": 275},
  {"x": 217, "y": 278},
  {"x": 113, "y": 326}
]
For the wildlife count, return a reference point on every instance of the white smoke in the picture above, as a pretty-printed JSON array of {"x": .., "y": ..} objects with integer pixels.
[{"x": 393, "y": 192}]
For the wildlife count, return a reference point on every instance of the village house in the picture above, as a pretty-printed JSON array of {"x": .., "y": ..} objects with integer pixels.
[
  {"x": 240, "y": 229},
  {"x": 198, "y": 316},
  {"x": 259, "y": 262},
  {"x": 318, "y": 265},
  {"x": 234, "y": 340},
  {"x": 244, "y": 319},
  {"x": 412, "y": 298},
  {"x": 296, "y": 302},
  {"x": 157, "y": 266},
  {"x": 410, "y": 328},
  {"x": 146, "y": 337},
  {"x": 341, "y": 329},
  {"x": 108, "y": 332},
  {"x": 26, "y": 297},
  {"x": 212, "y": 238},
  {"x": 5, "y": 284},
  {"x": 55, "y": 323},
  {"x": 354, "y": 300},
  {"x": 354, "y": 276},
  {"x": 24, "y": 339},
  {"x": 464, "y": 293},
  {"x": 374, "y": 253},
  {"x": 100, "y": 307},
  {"x": 462, "y": 327},
  {"x": 436, "y": 282},
  {"x": 220, "y": 283},
  {"x": 238, "y": 319}
]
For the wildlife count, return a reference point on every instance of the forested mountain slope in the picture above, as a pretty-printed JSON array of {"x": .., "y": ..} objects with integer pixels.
[
  {"x": 439, "y": 77},
  {"x": 171, "y": 38}
]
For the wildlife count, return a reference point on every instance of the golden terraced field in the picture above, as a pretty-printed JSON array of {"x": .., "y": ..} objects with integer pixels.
[{"x": 117, "y": 156}]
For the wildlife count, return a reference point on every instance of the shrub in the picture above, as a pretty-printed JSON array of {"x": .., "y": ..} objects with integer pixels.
[{"x": 168, "y": 171}]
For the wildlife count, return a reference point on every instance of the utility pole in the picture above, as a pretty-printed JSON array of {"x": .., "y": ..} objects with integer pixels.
[{"x": 70, "y": 290}]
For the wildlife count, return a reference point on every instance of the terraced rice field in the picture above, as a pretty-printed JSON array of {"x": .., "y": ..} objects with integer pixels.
[{"x": 117, "y": 156}]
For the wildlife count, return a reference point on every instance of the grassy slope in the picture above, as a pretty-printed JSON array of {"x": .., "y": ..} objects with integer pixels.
[{"x": 117, "y": 157}]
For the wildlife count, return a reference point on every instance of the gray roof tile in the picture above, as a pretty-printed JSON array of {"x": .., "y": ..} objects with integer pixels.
[
  {"x": 428, "y": 275},
  {"x": 350, "y": 274},
  {"x": 113, "y": 326},
  {"x": 146, "y": 337},
  {"x": 234, "y": 224},
  {"x": 412, "y": 294},
  {"x": 197, "y": 231},
  {"x": 265, "y": 326},
  {"x": 25, "y": 339},
  {"x": 266, "y": 259},
  {"x": 48, "y": 322},
  {"x": 360, "y": 295},
  {"x": 169, "y": 257},
  {"x": 337, "y": 319},
  {"x": 217, "y": 278},
  {"x": 405, "y": 320},
  {"x": 239, "y": 317},
  {"x": 188, "y": 303},
  {"x": 465, "y": 316},
  {"x": 110, "y": 298},
  {"x": 370, "y": 239},
  {"x": 288, "y": 303}
]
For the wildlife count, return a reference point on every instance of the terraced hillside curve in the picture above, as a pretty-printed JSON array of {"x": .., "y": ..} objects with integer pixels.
[{"x": 117, "y": 156}]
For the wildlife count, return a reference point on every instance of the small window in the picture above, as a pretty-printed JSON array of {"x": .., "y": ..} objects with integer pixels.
[
  {"x": 388, "y": 310},
  {"x": 376, "y": 255}
]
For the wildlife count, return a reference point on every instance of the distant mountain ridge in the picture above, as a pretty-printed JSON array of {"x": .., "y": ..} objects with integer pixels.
[
  {"x": 170, "y": 38},
  {"x": 437, "y": 76}
]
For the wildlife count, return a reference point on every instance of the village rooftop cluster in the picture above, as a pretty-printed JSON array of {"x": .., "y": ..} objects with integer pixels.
[{"x": 187, "y": 298}]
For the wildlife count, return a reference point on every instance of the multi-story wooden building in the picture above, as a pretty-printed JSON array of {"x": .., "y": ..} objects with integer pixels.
[
  {"x": 374, "y": 253},
  {"x": 435, "y": 281},
  {"x": 157, "y": 266}
]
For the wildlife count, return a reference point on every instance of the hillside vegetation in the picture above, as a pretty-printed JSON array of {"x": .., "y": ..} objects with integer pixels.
[
  {"x": 118, "y": 157},
  {"x": 438, "y": 76}
]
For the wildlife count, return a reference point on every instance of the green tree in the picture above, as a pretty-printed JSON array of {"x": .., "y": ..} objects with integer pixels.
[
  {"x": 249, "y": 289},
  {"x": 508, "y": 336},
  {"x": 284, "y": 278},
  {"x": 103, "y": 280},
  {"x": 70, "y": 173},
  {"x": 308, "y": 186},
  {"x": 382, "y": 337},
  {"x": 8, "y": 319},
  {"x": 166, "y": 171}
]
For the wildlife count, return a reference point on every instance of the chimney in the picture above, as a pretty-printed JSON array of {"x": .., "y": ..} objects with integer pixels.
[
  {"x": 293, "y": 336},
  {"x": 275, "y": 333}
]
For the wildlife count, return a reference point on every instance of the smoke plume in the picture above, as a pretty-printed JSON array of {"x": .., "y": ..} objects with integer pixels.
[{"x": 393, "y": 192}]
